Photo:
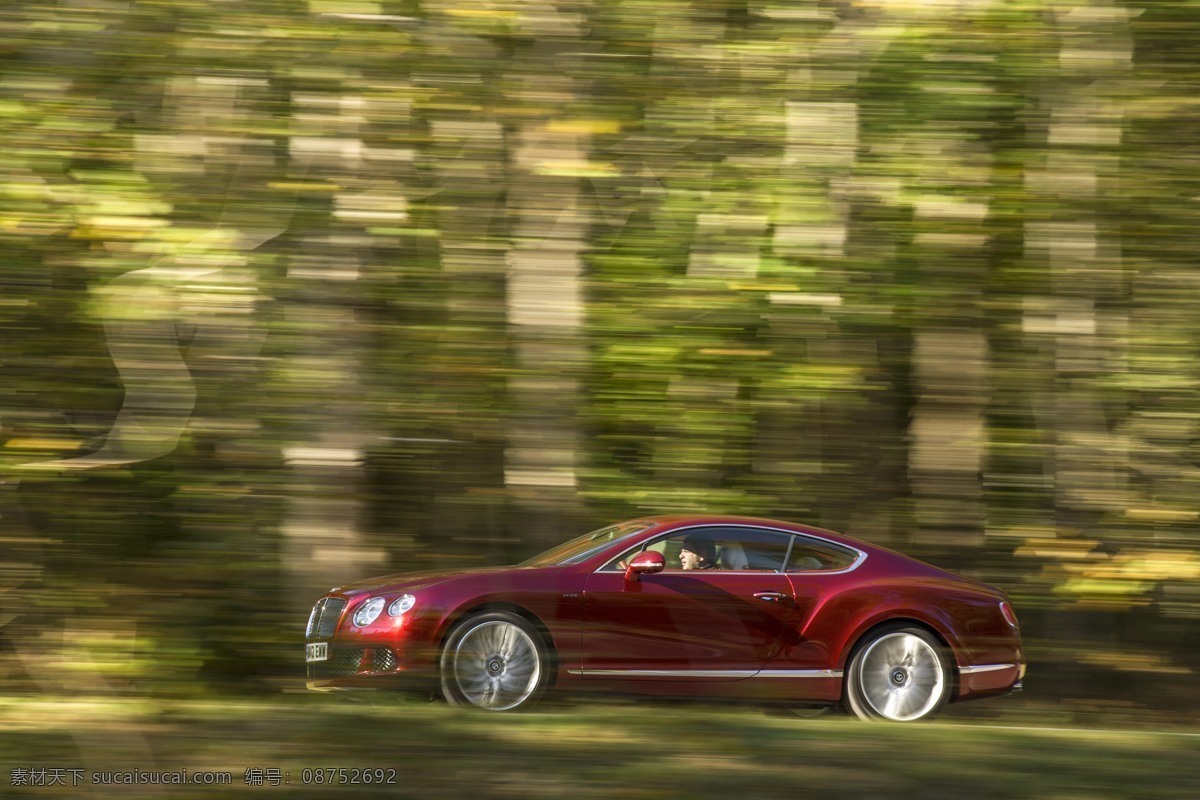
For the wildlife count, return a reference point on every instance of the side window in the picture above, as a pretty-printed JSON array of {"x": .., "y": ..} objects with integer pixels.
[
  {"x": 717, "y": 548},
  {"x": 669, "y": 548},
  {"x": 755, "y": 549},
  {"x": 810, "y": 555},
  {"x": 724, "y": 549}
]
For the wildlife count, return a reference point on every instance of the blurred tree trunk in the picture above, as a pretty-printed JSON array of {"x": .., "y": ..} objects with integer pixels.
[
  {"x": 469, "y": 407},
  {"x": 1079, "y": 322},
  {"x": 1158, "y": 442},
  {"x": 324, "y": 345},
  {"x": 845, "y": 224},
  {"x": 1075, "y": 321},
  {"x": 548, "y": 153},
  {"x": 951, "y": 186},
  {"x": 813, "y": 434}
]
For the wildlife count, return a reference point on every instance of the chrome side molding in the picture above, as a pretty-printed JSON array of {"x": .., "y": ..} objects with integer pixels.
[
  {"x": 709, "y": 673},
  {"x": 984, "y": 668}
]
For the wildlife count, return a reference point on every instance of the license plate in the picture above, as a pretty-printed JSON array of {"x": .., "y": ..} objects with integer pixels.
[{"x": 317, "y": 651}]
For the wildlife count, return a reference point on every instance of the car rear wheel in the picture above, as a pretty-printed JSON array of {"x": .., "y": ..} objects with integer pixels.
[
  {"x": 495, "y": 662},
  {"x": 899, "y": 673}
]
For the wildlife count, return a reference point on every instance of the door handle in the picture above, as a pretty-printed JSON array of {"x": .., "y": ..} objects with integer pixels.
[{"x": 771, "y": 597}]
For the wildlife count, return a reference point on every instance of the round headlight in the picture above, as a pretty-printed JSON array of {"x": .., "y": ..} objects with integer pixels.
[
  {"x": 368, "y": 612},
  {"x": 401, "y": 604}
]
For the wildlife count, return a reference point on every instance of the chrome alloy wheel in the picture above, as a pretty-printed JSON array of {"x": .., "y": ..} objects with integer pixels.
[
  {"x": 494, "y": 664},
  {"x": 901, "y": 676}
]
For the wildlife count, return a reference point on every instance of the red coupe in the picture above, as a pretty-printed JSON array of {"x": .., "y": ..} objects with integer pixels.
[{"x": 691, "y": 606}]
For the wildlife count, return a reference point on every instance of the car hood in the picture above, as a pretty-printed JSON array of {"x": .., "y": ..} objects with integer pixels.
[{"x": 415, "y": 580}]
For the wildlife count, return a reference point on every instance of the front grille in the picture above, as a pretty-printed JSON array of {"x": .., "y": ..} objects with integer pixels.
[
  {"x": 324, "y": 619},
  {"x": 341, "y": 664},
  {"x": 384, "y": 661}
]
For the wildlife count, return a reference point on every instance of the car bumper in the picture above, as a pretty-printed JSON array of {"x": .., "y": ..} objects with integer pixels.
[
  {"x": 363, "y": 667},
  {"x": 981, "y": 680}
]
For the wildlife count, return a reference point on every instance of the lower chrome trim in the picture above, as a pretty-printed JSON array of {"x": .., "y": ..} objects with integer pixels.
[
  {"x": 666, "y": 673},
  {"x": 710, "y": 673},
  {"x": 800, "y": 673},
  {"x": 984, "y": 668}
]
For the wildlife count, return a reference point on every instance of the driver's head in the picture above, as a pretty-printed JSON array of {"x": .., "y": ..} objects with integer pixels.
[{"x": 698, "y": 550}]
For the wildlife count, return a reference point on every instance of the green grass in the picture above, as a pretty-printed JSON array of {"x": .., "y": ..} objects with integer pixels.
[{"x": 639, "y": 751}]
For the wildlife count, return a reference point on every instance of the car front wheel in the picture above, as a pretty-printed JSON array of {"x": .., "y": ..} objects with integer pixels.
[
  {"x": 494, "y": 661},
  {"x": 898, "y": 673}
]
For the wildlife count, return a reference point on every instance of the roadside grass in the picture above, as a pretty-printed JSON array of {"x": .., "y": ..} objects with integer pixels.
[{"x": 602, "y": 750}]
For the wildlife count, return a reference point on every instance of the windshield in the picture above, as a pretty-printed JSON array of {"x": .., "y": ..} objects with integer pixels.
[{"x": 580, "y": 548}]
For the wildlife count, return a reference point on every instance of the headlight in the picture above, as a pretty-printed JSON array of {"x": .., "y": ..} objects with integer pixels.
[
  {"x": 401, "y": 604},
  {"x": 368, "y": 612}
]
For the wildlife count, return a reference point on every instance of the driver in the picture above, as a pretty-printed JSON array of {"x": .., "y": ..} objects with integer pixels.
[{"x": 699, "y": 552}]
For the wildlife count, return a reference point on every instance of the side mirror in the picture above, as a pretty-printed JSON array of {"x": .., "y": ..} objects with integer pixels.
[{"x": 645, "y": 563}]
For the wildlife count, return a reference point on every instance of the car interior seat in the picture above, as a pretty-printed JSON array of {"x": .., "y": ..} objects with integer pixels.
[{"x": 732, "y": 556}]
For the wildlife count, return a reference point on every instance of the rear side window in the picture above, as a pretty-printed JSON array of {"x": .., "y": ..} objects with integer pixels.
[
  {"x": 809, "y": 555},
  {"x": 754, "y": 549}
]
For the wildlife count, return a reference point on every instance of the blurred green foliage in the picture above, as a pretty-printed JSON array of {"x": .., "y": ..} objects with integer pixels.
[
  {"x": 597, "y": 750},
  {"x": 300, "y": 291}
]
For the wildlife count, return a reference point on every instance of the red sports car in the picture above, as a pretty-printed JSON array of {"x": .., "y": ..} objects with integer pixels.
[{"x": 692, "y": 606}]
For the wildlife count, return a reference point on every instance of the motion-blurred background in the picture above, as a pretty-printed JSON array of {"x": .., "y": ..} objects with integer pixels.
[{"x": 296, "y": 292}]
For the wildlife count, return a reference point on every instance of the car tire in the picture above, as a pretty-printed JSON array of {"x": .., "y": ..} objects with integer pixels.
[
  {"x": 496, "y": 661},
  {"x": 898, "y": 673}
]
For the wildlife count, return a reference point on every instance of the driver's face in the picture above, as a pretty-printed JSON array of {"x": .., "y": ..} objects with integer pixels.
[{"x": 689, "y": 559}]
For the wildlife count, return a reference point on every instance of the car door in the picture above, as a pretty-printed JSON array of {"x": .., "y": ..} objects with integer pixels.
[{"x": 723, "y": 623}]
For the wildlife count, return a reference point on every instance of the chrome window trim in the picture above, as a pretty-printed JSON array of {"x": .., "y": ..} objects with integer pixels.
[
  {"x": 985, "y": 668},
  {"x": 861, "y": 557},
  {"x": 709, "y": 673}
]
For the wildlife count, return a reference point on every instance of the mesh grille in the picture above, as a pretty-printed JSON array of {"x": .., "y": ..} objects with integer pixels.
[
  {"x": 341, "y": 663},
  {"x": 384, "y": 661},
  {"x": 324, "y": 619}
]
